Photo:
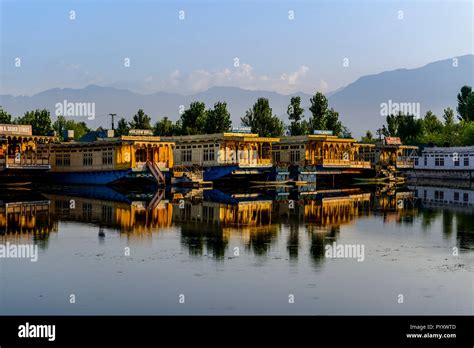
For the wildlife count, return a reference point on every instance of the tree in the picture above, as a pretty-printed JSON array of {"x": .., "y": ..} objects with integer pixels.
[
  {"x": 319, "y": 109},
  {"x": 141, "y": 121},
  {"x": 448, "y": 117},
  {"x": 40, "y": 121},
  {"x": 295, "y": 114},
  {"x": 5, "y": 117},
  {"x": 467, "y": 133},
  {"x": 122, "y": 127},
  {"x": 431, "y": 124},
  {"x": 62, "y": 124},
  {"x": 432, "y": 129},
  {"x": 218, "y": 119},
  {"x": 368, "y": 138},
  {"x": 392, "y": 126},
  {"x": 193, "y": 119},
  {"x": 466, "y": 104},
  {"x": 409, "y": 128},
  {"x": 333, "y": 123},
  {"x": 164, "y": 127},
  {"x": 346, "y": 133},
  {"x": 261, "y": 120}
]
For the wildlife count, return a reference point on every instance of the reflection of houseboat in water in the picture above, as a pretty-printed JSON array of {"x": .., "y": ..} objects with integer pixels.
[
  {"x": 24, "y": 215},
  {"x": 104, "y": 207},
  {"x": 452, "y": 198}
]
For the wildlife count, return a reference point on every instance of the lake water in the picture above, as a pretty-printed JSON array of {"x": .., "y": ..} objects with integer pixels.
[{"x": 256, "y": 251}]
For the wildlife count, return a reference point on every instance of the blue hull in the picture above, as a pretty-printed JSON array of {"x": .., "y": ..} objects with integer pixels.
[
  {"x": 213, "y": 173},
  {"x": 89, "y": 178},
  {"x": 219, "y": 172}
]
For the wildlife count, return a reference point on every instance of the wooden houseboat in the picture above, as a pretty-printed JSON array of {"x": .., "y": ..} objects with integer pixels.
[
  {"x": 392, "y": 154},
  {"x": 209, "y": 157},
  {"x": 22, "y": 155},
  {"x": 303, "y": 158},
  {"x": 111, "y": 159}
]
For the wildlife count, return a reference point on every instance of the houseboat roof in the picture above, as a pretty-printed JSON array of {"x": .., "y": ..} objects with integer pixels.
[
  {"x": 241, "y": 137},
  {"x": 137, "y": 139},
  {"x": 449, "y": 150},
  {"x": 315, "y": 137}
]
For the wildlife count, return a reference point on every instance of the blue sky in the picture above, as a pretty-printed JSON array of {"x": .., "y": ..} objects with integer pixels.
[{"x": 186, "y": 56}]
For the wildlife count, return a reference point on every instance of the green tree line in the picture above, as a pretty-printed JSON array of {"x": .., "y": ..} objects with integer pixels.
[
  {"x": 197, "y": 119},
  {"x": 431, "y": 130}
]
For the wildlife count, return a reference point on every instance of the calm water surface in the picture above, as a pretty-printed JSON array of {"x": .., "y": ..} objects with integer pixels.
[{"x": 237, "y": 252}]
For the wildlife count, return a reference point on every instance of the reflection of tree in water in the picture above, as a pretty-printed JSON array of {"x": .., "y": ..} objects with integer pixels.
[
  {"x": 465, "y": 230},
  {"x": 293, "y": 241},
  {"x": 260, "y": 239},
  {"x": 320, "y": 237},
  {"x": 428, "y": 216},
  {"x": 447, "y": 223},
  {"x": 196, "y": 236}
]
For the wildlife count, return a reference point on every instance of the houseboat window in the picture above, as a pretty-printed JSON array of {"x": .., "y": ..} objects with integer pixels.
[
  {"x": 186, "y": 155},
  {"x": 63, "y": 160},
  {"x": 106, "y": 213},
  {"x": 465, "y": 197},
  {"x": 107, "y": 157},
  {"x": 425, "y": 161},
  {"x": 466, "y": 161},
  {"x": 276, "y": 156},
  {"x": 456, "y": 162},
  {"x": 87, "y": 211},
  {"x": 424, "y": 194},
  {"x": 140, "y": 155},
  {"x": 416, "y": 161},
  {"x": 208, "y": 155},
  {"x": 439, "y": 161},
  {"x": 456, "y": 196},
  {"x": 87, "y": 158},
  {"x": 294, "y": 156}
]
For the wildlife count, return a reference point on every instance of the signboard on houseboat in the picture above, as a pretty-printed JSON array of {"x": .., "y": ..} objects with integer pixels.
[
  {"x": 322, "y": 132},
  {"x": 15, "y": 129}
]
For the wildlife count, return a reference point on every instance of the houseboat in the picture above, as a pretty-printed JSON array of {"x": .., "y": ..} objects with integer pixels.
[
  {"x": 22, "y": 155},
  {"x": 209, "y": 157},
  {"x": 451, "y": 163},
  {"x": 110, "y": 159},
  {"x": 303, "y": 158}
]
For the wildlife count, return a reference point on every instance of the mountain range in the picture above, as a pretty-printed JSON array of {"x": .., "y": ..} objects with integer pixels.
[{"x": 432, "y": 87}]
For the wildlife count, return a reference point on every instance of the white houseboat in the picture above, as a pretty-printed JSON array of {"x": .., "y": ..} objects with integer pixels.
[{"x": 452, "y": 163}]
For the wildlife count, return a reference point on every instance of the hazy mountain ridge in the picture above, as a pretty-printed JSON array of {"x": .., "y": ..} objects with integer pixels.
[{"x": 434, "y": 86}]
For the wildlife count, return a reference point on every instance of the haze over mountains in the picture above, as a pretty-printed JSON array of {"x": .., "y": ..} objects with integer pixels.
[{"x": 434, "y": 86}]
